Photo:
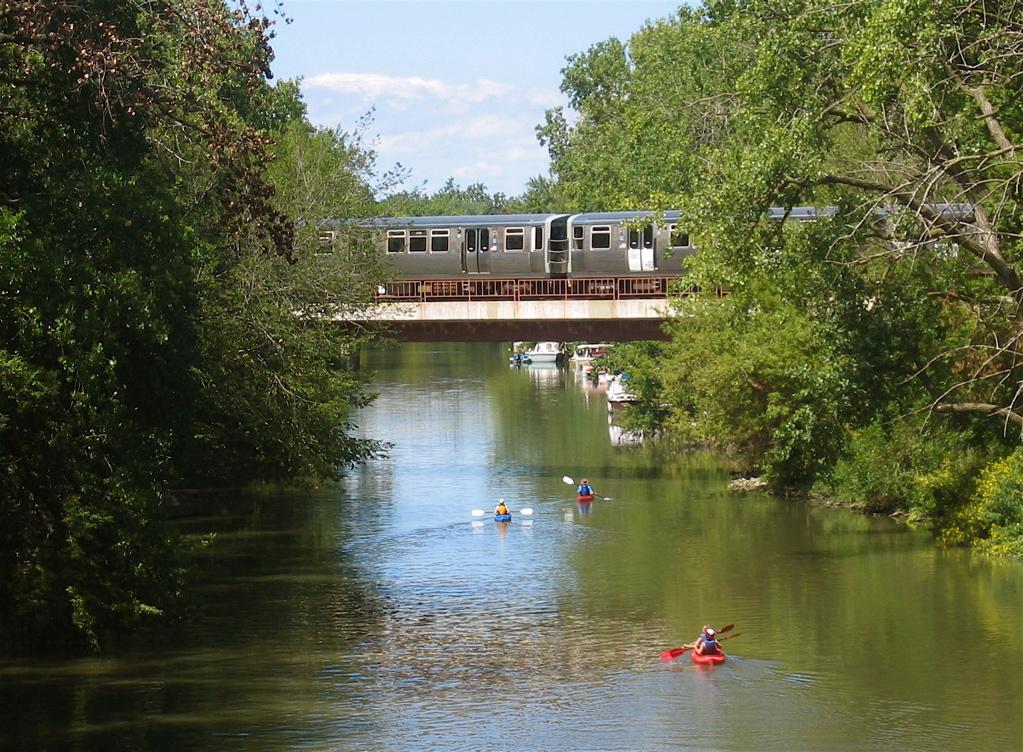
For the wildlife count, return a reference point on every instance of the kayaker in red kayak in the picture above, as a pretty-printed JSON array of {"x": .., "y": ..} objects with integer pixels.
[
  {"x": 706, "y": 643},
  {"x": 584, "y": 488}
]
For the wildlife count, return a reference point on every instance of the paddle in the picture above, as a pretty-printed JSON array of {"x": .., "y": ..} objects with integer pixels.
[
  {"x": 526, "y": 511},
  {"x": 670, "y": 655},
  {"x": 569, "y": 481}
]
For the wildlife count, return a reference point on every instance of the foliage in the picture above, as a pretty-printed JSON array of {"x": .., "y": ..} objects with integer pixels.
[
  {"x": 540, "y": 196},
  {"x": 449, "y": 199},
  {"x": 994, "y": 516},
  {"x": 906, "y": 117},
  {"x": 280, "y": 380},
  {"x": 907, "y": 466},
  {"x": 635, "y": 362},
  {"x": 759, "y": 376},
  {"x": 149, "y": 277}
]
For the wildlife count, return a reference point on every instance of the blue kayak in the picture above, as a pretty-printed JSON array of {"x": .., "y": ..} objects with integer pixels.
[{"x": 502, "y": 517}]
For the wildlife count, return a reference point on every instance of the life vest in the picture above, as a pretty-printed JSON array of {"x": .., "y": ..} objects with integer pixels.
[
  {"x": 501, "y": 509},
  {"x": 710, "y": 647},
  {"x": 585, "y": 490}
]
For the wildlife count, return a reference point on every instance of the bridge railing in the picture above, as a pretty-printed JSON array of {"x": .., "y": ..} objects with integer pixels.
[{"x": 576, "y": 288}]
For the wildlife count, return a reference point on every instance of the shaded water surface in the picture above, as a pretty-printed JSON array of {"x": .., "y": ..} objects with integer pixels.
[{"x": 383, "y": 615}]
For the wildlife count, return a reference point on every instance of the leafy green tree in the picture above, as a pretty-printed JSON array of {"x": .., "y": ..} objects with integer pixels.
[
  {"x": 994, "y": 516},
  {"x": 636, "y": 363},
  {"x": 278, "y": 379},
  {"x": 149, "y": 278},
  {"x": 449, "y": 199},
  {"x": 904, "y": 116},
  {"x": 540, "y": 197}
]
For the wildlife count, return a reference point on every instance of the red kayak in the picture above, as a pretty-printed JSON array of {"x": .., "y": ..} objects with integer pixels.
[
  {"x": 707, "y": 660},
  {"x": 587, "y": 497}
]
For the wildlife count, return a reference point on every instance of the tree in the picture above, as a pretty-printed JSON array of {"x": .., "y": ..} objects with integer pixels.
[
  {"x": 449, "y": 199},
  {"x": 148, "y": 285},
  {"x": 904, "y": 116}
]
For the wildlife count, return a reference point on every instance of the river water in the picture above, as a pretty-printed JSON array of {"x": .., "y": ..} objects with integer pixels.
[{"x": 382, "y": 615}]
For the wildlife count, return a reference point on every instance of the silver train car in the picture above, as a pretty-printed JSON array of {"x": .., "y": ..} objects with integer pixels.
[
  {"x": 620, "y": 244},
  {"x": 630, "y": 243}
]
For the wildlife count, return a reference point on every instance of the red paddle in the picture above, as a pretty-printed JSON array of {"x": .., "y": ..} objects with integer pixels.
[{"x": 670, "y": 655}]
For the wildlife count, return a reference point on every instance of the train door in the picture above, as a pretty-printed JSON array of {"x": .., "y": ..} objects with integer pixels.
[
  {"x": 559, "y": 257},
  {"x": 642, "y": 249},
  {"x": 476, "y": 251}
]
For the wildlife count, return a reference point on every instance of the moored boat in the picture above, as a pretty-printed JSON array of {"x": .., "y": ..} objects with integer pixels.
[
  {"x": 712, "y": 659},
  {"x": 546, "y": 352},
  {"x": 585, "y": 353},
  {"x": 618, "y": 393}
]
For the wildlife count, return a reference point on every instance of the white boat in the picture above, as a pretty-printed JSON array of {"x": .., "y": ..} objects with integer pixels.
[
  {"x": 546, "y": 352},
  {"x": 585, "y": 353},
  {"x": 618, "y": 393}
]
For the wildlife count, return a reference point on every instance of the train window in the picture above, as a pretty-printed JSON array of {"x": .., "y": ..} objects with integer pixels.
[
  {"x": 678, "y": 239},
  {"x": 395, "y": 241},
  {"x": 537, "y": 238},
  {"x": 417, "y": 241},
  {"x": 438, "y": 241},
  {"x": 485, "y": 240},
  {"x": 514, "y": 239},
  {"x": 646, "y": 237},
  {"x": 600, "y": 236},
  {"x": 577, "y": 237}
]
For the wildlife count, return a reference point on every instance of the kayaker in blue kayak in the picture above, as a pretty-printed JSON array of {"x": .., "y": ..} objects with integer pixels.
[
  {"x": 706, "y": 643},
  {"x": 501, "y": 508},
  {"x": 584, "y": 488}
]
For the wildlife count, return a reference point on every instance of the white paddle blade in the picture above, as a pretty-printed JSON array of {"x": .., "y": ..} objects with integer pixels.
[
  {"x": 478, "y": 513},
  {"x": 526, "y": 511},
  {"x": 566, "y": 479}
]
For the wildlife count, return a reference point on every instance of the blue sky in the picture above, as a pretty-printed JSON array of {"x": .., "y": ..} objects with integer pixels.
[{"x": 457, "y": 88}]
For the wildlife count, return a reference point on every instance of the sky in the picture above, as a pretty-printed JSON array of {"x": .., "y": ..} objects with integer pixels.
[{"x": 456, "y": 89}]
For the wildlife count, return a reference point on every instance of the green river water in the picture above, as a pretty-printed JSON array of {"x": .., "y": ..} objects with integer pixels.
[{"x": 381, "y": 615}]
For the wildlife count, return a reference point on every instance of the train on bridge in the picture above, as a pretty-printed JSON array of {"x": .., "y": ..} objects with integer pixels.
[
  {"x": 617, "y": 255},
  {"x": 533, "y": 246}
]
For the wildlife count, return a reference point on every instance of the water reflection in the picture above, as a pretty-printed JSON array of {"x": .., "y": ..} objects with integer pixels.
[{"x": 547, "y": 376}]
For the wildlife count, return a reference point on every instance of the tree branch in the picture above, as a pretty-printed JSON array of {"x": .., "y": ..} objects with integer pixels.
[
  {"x": 986, "y": 252},
  {"x": 984, "y": 408}
]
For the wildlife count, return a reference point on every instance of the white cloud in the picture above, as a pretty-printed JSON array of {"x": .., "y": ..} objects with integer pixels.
[
  {"x": 524, "y": 153},
  {"x": 488, "y": 128},
  {"x": 398, "y": 90},
  {"x": 473, "y": 172},
  {"x": 484, "y": 130},
  {"x": 545, "y": 98}
]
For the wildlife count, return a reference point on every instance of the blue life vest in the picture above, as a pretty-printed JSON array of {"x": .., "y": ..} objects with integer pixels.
[
  {"x": 710, "y": 647},
  {"x": 585, "y": 490}
]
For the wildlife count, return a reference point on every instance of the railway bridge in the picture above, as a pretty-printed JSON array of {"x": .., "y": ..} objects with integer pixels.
[{"x": 482, "y": 309}]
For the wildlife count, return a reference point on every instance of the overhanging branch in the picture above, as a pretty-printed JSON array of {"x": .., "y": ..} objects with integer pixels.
[{"x": 984, "y": 408}]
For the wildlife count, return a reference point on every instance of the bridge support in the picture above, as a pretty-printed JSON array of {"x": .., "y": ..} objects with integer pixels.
[
  {"x": 532, "y": 331},
  {"x": 509, "y": 320}
]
